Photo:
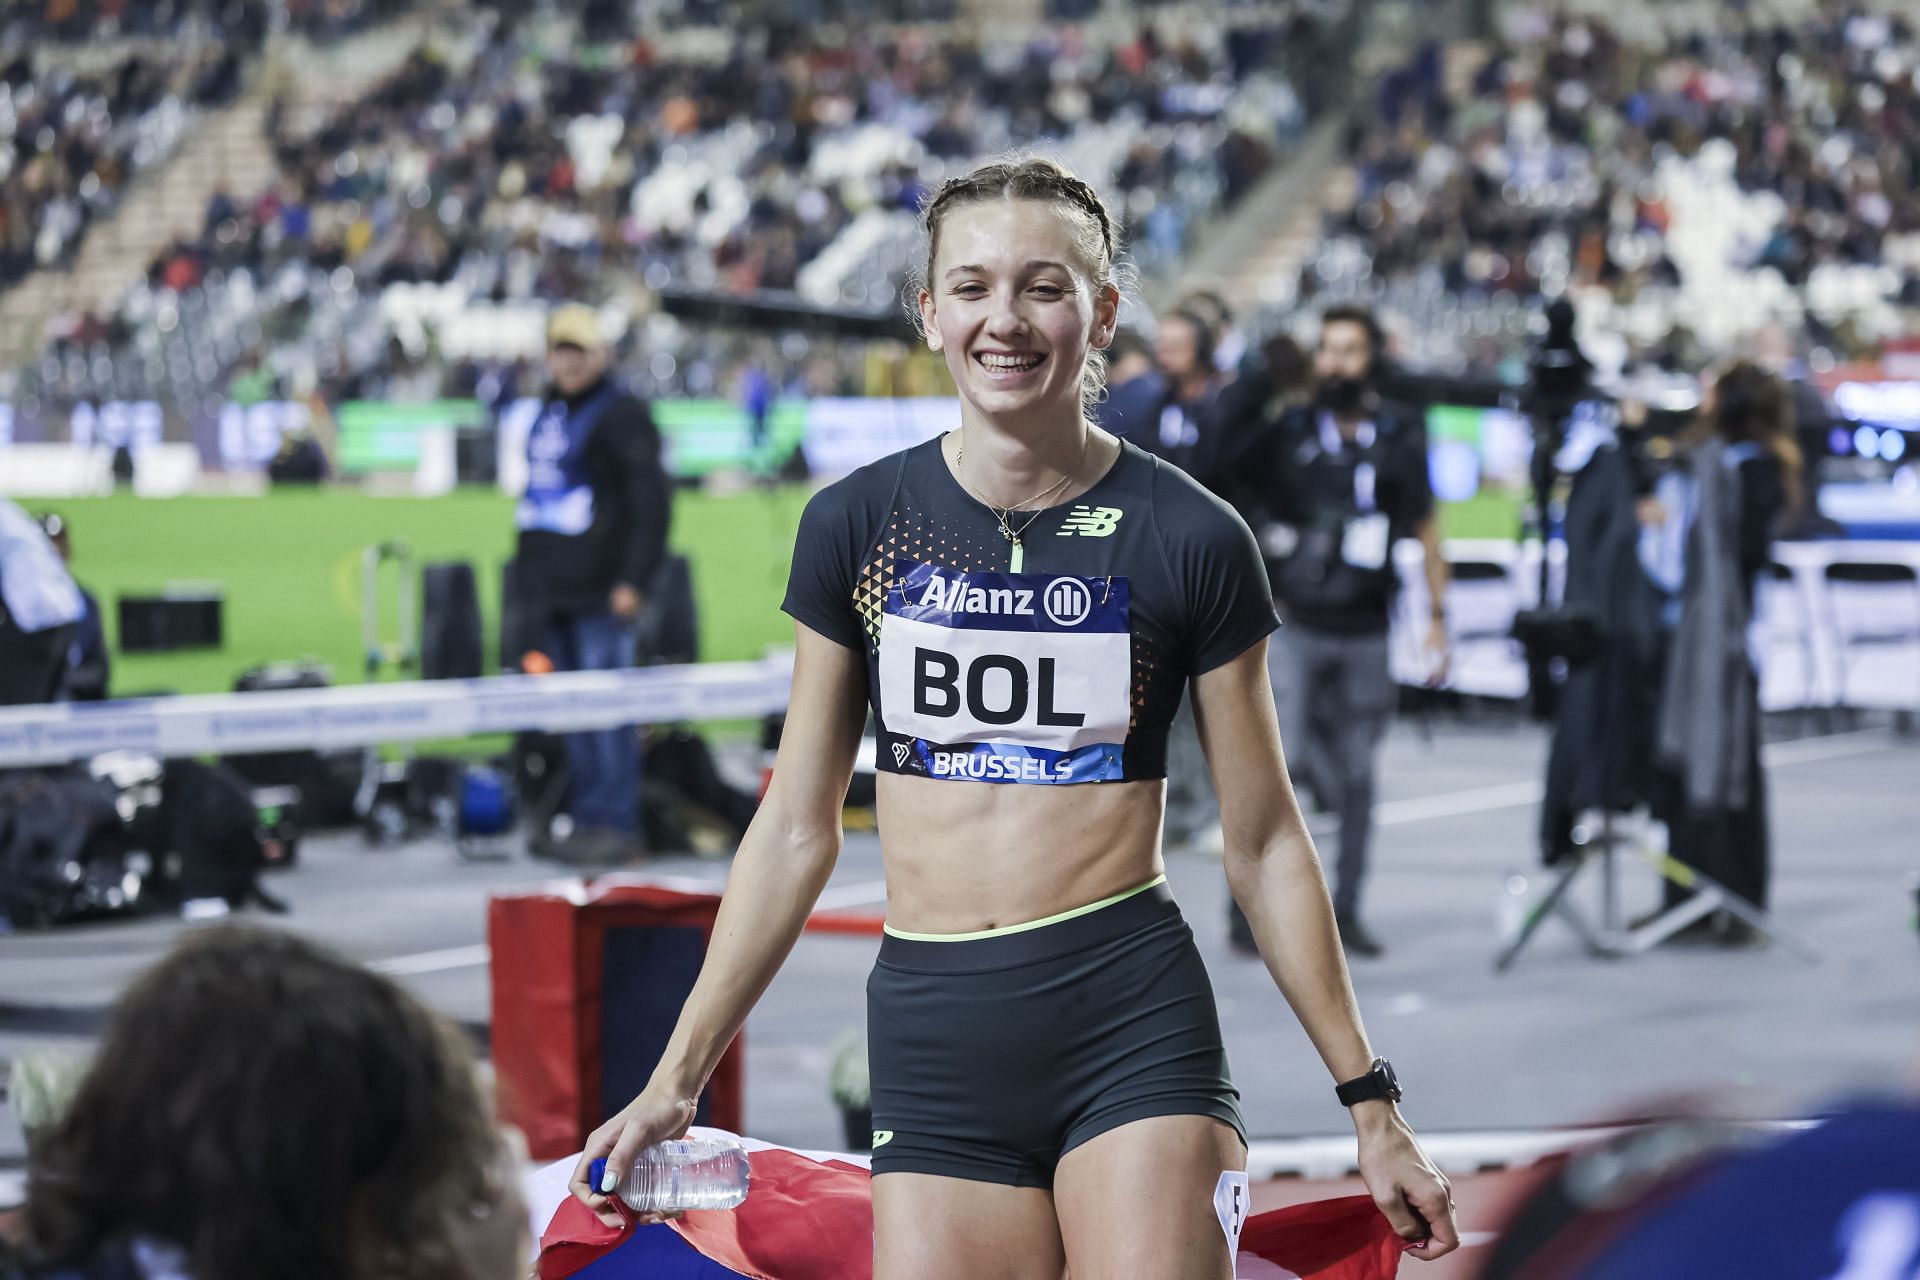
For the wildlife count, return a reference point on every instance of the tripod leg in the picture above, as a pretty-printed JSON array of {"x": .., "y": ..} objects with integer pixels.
[
  {"x": 1552, "y": 904},
  {"x": 1669, "y": 922},
  {"x": 1595, "y": 941},
  {"x": 1735, "y": 905},
  {"x": 1709, "y": 896}
]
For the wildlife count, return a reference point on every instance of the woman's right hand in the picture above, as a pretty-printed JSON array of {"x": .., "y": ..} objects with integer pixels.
[{"x": 654, "y": 1116}]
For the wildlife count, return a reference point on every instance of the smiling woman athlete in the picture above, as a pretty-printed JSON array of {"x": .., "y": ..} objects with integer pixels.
[{"x": 1022, "y": 602}]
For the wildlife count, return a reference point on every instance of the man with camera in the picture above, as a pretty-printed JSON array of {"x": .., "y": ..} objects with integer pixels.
[{"x": 1334, "y": 484}]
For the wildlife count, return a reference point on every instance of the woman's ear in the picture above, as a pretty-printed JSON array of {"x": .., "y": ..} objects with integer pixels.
[
  {"x": 929, "y": 328},
  {"x": 1106, "y": 316}
]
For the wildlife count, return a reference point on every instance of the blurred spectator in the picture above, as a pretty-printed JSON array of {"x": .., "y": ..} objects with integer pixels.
[
  {"x": 1676, "y": 1197},
  {"x": 593, "y": 533},
  {"x": 1275, "y": 378},
  {"x": 40, "y": 610},
  {"x": 261, "y": 1107},
  {"x": 89, "y": 668},
  {"x": 1136, "y": 390},
  {"x": 1715, "y": 524},
  {"x": 70, "y": 142},
  {"x": 1339, "y": 481},
  {"x": 1183, "y": 350}
]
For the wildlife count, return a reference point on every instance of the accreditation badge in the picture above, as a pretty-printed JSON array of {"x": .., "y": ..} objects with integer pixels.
[{"x": 1364, "y": 542}]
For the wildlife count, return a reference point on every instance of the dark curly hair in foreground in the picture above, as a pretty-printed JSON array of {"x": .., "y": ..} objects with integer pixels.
[{"x": 273, "y": 1110}]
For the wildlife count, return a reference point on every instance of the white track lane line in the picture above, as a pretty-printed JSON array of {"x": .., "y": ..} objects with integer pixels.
[
  {"x": 864, "y": 894},
  {"x": 432, "y": 961},
  {"x": 1388, "y": 813},
  {"x": 1830, "y": 746}
]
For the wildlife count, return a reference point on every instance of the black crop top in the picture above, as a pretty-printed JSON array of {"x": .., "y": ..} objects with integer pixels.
[{"x": 1066, "y": 668}]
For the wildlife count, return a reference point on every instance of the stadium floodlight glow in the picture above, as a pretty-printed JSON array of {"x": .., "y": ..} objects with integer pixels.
[
  {"x": 1866, "y": 442},
  {"x": 1893, "y": 446},
  {"x": 1839, "y": 442}
]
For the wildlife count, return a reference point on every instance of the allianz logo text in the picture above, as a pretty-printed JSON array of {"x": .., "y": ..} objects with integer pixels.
[{"x": 958, "y": 597}]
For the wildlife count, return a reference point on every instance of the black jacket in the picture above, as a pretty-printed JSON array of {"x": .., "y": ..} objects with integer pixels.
[
  {"x": 562, "y": 574},
  {"x": 1299, "y": 498},
  {"x": 1602, "y": 751}
]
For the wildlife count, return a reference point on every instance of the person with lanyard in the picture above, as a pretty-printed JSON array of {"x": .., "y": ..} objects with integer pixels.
[
  {"x": 1022, "y": 603},
  {"x": 592, "y": 534},
  {"x": 1184, "y": 350},
  {"x": 1340, "y": 480}
]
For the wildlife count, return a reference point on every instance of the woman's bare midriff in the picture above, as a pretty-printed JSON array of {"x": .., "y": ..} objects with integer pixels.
[{"x": 966, "y": 856}]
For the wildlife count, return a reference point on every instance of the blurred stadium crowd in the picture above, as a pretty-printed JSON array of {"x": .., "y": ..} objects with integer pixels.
[
  {"x": 75, "y": 135},
  {"x": 1685, "y": 186},
  {"x": 74, "y": 139},
  {"x": 1685, "y": 181},
  {"x": 514, "y": 160}
]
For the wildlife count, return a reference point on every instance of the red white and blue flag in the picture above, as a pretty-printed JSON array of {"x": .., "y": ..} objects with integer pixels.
[{"x": 810, "y": 1217}]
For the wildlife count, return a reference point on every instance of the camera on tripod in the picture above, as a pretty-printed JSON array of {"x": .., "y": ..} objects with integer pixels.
[{"x": 1559, "y": 381}]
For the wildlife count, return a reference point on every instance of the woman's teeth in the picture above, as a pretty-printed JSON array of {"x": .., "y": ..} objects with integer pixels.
[{"x": 1009, "y": 364}]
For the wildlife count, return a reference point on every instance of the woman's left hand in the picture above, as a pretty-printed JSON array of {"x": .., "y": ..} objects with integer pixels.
[{"x": 1413, "y": 1194}]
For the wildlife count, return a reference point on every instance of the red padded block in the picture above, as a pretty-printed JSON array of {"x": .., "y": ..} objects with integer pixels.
[{"x": 546, "y": 957}]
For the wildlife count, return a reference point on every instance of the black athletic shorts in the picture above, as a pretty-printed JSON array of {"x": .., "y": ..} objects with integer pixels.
[{"x": 993, "y": 1055}]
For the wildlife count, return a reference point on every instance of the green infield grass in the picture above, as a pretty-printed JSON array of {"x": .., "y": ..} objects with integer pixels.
[{"x": 288, "y": 565}]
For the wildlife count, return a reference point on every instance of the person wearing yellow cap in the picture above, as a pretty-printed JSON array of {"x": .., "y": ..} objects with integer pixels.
[{"x": 593, "y": 530}]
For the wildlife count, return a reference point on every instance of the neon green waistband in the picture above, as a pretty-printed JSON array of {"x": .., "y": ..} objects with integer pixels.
[{"x": 1041, "y": 923}]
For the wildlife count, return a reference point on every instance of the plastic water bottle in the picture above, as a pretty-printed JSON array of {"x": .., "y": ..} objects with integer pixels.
[{"x": 685, "y": 1173}]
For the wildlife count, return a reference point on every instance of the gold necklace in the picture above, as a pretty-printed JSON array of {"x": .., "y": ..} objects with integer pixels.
[{"x": 1004, "y": 514}]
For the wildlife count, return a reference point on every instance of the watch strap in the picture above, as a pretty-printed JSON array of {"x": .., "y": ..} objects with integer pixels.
[{"x": 1377, "y": 1085}]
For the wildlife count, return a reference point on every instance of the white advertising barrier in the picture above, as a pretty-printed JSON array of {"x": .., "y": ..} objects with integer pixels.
[
  {"x": 1818, "y": 643},
  {"x": 356, "y": 715},
  {"x": 846, "y": 433},
  {"x": 69, "y": 471}
]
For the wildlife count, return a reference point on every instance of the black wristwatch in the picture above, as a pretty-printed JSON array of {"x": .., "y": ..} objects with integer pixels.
[{"x": 1378, "y": 1083}]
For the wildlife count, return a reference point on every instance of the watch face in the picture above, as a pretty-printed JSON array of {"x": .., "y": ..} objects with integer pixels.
[{"x": 1390, "y": 1080}]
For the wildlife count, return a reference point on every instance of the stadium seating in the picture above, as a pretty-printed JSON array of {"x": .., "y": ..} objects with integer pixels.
[
  {"x": 1688, "y": 184},
  {"x": 70, "y": 141},
  {"x": 719, "y": 166}
]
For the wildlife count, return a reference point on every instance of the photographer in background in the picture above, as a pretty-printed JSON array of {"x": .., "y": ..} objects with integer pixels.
[
  {"x": 89, "y": 668},
  {"x": 1710, "y": 531},
  {"x": 41, "y": 610},
  {"x": 593, "y": 532},
  {"x": 1339, "y": 480}
]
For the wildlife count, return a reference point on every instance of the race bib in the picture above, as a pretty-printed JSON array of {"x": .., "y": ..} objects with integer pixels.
[
  {"x": 1230, "y": 1204},
  {"x": 1005, "y": 677}
]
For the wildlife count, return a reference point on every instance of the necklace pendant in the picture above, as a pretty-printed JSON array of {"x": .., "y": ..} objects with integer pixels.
[{"x": 1018, "y": 559}]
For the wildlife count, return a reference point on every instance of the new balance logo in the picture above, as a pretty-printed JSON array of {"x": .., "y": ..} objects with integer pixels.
[
  {"x": 900, "y": 753},
  {"x": 1091, "y": 522}
]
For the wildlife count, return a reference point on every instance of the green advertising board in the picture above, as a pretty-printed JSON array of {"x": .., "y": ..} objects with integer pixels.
[
  {"x": 701, "y": 435},
  {"x": 378, "y": 436},
  {"x": 708, "y": 435}
]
